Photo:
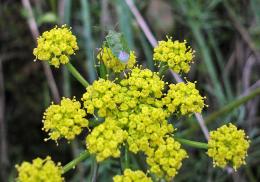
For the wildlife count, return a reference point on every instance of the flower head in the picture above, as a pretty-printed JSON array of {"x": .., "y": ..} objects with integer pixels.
[
  {"x": 132, "y": 176},
  {"x": 228, "y": 145},
  {"x": 65, "y": 120},
  {"x": 184, "y": 99},
  {"x": 104, "y": 96},
  {"x": 166, "y": 159},
  {"x": 56, "y": 46},
  {"x": 105, "y": 140},
  {"x": 147, "y": 129},
  {"x": 40, "y": 170},
  {"x": 143, "y": 83},
  {"x": 113, "y": 62},
  {"x": 176, "y": 54}
]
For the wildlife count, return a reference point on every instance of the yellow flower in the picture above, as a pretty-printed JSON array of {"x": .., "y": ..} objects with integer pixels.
[
  {"x": 166, "y": 159},
  {"x": 184, "y": 99},
  {"x": 40, "y": 170},
  {"x": 176, "y": 54},
  {"x": 113, "y": 62},
  {"x": 132, "y": 176},
  {"x": 65, "y": 120},
  {"x": 56, "y": 46},
  {"x": 105, "y": 140},
  {"x": 228, "y": 145}
]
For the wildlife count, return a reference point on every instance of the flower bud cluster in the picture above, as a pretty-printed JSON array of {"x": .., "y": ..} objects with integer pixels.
[
  {"x": 228, "y": 145},
  {"x": 183, "y": 98},
  {"x": 132, "y": 176},
  {"x": 113, "y": 62},
  {"x": 40, "y": 170},
  {"x": 56, "y": 46},
  {"x": 65, "y": 120},
  {"x": 176, "y": 54}
]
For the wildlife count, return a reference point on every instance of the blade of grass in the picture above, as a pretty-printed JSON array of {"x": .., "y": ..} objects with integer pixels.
[
  {"x": 125, "y": 20},
  {"x": 226, "y": 109},
  {"x": 147, "y": 49},
  {"x": 195, "y": 25},
  {"x": 85, "y": 14},
  {"x": 65, "y": 19}
]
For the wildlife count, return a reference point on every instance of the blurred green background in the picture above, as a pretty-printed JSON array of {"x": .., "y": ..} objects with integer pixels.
[{"x": 224, "y": 33}]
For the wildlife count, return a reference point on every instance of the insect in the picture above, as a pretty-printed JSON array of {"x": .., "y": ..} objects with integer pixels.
[{"x": 118, "y": 45}]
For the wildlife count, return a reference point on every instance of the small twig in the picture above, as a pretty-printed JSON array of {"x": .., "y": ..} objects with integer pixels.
[
  {"x": 140, "y": 20},
  {"x": 35, "y": 33}
]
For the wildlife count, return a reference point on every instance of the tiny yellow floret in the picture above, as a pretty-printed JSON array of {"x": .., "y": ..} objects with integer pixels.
[
  {"x": 113, "y": 62},
  {"x": 132, "y": 176},
  {"x": 65, "y": 120},
  {"x": 56, "y": 46},
  {"x": 40, "y": 170},
  {"x": 177, "y": 55},
  {"x": 228, "y": 146}
]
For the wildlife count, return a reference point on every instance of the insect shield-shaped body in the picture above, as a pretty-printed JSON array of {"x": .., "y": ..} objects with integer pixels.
[{"x": 117, "y": 43}]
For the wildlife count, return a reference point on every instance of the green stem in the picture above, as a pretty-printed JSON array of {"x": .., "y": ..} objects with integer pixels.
[
  {"x": 126, "y": 157},
  {"x": 77, "y": 75},
  {"x": 192, "y": 143},
  {"x": 74, "y": 162},
  {"x": 94, "y": 170},
  {"x": 225, "y": 110},
  {"x": 232, "y": 105},
  {"x": 163, "y": 68}
]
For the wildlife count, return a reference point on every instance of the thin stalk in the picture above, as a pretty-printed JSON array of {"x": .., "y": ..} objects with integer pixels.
[
  {"x": 74, "y": 162},
  {"x": 163, "y": 68},
  {"x": 146, "y": 48},
  {"x": 77, "y": 75},
  {"x": 94, "y": 170},
  {"x": 86, "y": 19},
  {"x": 192, "y": 143},
  {"x": 65, "y": 16},
  {"x": 126, "y": 158},
  {"x": 125, "y": 19},
  {"x": 232, "y": 105},
  {"x": 226, "y": 109}
]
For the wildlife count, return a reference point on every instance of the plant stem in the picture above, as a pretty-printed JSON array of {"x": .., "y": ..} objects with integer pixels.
[
  {"x": 163, "y": 68},
  {"x": 126, "y": 158},
  {"x": 232, "y": 105},
  {"x": 77, "y": 75},
  {"x": 75, "y": 161},
  {"x": 94, "y": 170},
  {"x": 192, "y": 143}
]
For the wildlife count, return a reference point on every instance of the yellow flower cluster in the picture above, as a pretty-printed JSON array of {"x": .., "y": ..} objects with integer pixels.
[
  {"x": 228, "y": 145},
  {"x": 132, "y": 176},
  {"x": 103, "y": 95},
  {"x": 176, "y": 54},
  {"x": 134, "y": 113},
  {"x": 56, "y": 46},
  {"x": 143, "y": 84},
  {"x": 166, "y": 159},
  {"x": 40, "y": 170},
  {"x": 113, "y": 62},
  {"x": 147, "y": 129},
  {"x": 65, "y": 120},
  {"x": 183, "y": 98},
  {"x": 105, "y": 139}
]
